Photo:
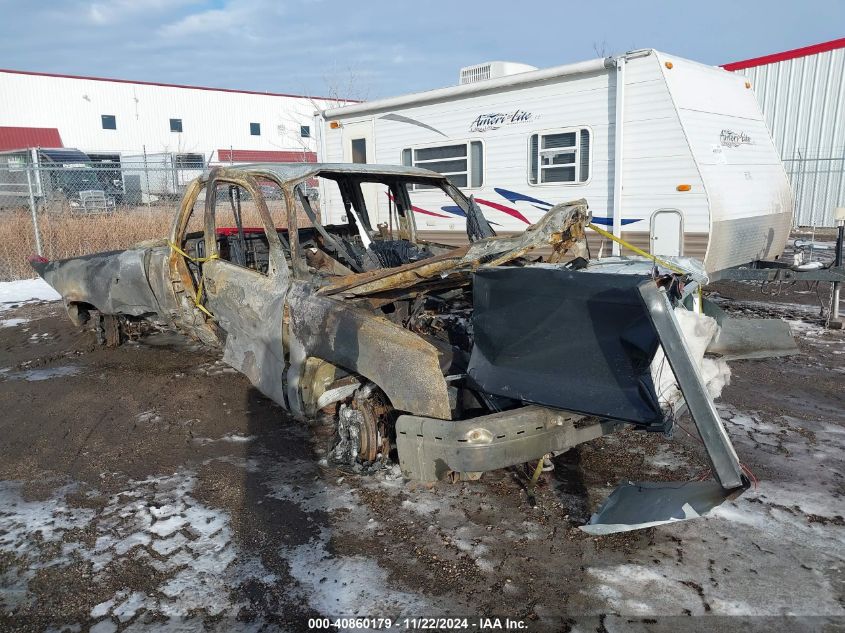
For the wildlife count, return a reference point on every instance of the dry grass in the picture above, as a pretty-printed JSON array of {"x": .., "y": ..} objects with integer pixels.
[{"x": 65, "y": 234}]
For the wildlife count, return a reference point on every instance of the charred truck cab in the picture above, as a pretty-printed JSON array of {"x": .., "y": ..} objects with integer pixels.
[{"x": 462, "y": 360}]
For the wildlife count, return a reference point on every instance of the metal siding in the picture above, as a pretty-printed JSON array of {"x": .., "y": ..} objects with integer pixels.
[
  {"x": 265, "y": 156},
  {"x": 211, "y": 119},
  {"x": 25, "y": 137},
  {"x": 803, "y": 100}
]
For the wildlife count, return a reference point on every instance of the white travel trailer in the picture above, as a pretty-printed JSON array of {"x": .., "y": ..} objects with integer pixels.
[{"x": 672, "y": 156}]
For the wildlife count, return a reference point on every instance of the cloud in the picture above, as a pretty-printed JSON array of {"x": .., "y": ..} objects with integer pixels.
[
  {"x": 299, "y": 46},
  {"x": 205, "y": 22},
  {"x": 114, "y": 11}
]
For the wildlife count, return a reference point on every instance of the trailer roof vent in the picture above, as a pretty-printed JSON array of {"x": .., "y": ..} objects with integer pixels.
[{"x": 491, "y": 70}]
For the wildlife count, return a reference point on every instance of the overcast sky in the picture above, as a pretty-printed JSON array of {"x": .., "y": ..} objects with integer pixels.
[{"x": 377, "y": 48}]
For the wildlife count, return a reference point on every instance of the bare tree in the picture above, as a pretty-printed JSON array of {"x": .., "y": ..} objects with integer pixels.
[
  {"x": 346, "y": 84},
  {"x": 342, "y": 86},
  {"x": 600, "y": 48}
]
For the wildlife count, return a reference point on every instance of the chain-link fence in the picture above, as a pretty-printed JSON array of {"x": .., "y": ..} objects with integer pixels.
[
  {"x": 818, "y": 183},
  {"x": 72, "y": 209}
]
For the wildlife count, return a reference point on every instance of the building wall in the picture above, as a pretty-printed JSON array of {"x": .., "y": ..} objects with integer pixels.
[
  {"x": 802, "y": 96},
  {"x": 211, "y": 119}
]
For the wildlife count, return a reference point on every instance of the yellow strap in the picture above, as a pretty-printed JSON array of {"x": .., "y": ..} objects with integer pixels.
[
  {"x": 638, "y": 251},
  {"x": 197, "y": 260}
]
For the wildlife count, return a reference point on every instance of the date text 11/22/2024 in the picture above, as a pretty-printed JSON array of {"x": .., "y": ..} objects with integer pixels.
[{"x": 417, "y": 623}]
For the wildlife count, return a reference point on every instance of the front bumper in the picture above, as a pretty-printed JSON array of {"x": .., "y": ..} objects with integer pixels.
[{"x": 429, "y": 449}]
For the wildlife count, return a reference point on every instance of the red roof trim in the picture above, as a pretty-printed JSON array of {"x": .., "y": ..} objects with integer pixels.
[
  {"x": 154, "y": 83},
  {"x": 265, "y": 156},
  {"x": 786, "y": 55},
  {"x": 12, "y": 138}
]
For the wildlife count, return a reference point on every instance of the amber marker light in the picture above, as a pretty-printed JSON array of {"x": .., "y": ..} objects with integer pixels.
[
  {"x": 334, "y": 125},
  {"x": 684, "y": 187},
  {"x": 669, "y": 65}
]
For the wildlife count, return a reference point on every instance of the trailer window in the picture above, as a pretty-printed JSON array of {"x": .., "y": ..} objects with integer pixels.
[
  {"x": 359, "y": 150},
  {"x": 461, "y": 163},
  {"x": 562, "y": 156}
]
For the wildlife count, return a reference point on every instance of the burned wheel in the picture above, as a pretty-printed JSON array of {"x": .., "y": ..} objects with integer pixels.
[
  {"x": 370, "y": 444},
  {"x": 363, "y": 428}
]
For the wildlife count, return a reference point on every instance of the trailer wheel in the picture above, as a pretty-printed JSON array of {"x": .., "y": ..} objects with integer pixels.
[{"x": 108, "y": 330}]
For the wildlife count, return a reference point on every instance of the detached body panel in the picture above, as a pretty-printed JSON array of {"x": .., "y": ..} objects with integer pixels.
[{"x": 564, "y": 339}]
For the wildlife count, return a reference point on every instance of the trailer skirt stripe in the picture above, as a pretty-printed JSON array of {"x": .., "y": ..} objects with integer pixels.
[
  {"x": 454, "y": 210},
  {"x": 511, "y": 196},
  {"x": 515, "y": 196},
  {"x": 500, "y": 207},
  {"x": 417, "y": 209},
  {"x": 609, "y": 221}
]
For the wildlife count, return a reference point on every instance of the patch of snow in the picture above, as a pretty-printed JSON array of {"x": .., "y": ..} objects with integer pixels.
[
  {"x": 102, "y": 609},
  {"x": 200, "y": 570},
  {"x": 427, "y": 507},
  {"x": 106, "y": 626},
  {"x": 285, "y": 482},
  {"x": 35, "y": 375},
  {"x": 127, "y": 609},
  {"x": 347, "y": 584},
  {"x": 146, "y": 417},
  {"x": 639, "y": 590},
  {"x": 25, "y": 290},
  {"x": 235, "y": 438},
  {"x": 13, "y": 322},
  {"x": 166, "y": 527}
]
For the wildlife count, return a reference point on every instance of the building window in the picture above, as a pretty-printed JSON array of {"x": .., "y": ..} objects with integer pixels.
[
  {"x": 109, "y": 122},
  {"x": 175, "y": 125},
  {"x": 255, "y": 129},
  {"x": 189, "y": 161},
  {"x": 462, "y": 163},
  {"x": 561, "y": 156},
  {"x": 305, "y": 131}
]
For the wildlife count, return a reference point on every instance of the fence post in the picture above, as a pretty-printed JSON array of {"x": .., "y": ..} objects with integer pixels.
[
  {"x": 32, "y": 210},
  {"x": 146, "y": 177}
]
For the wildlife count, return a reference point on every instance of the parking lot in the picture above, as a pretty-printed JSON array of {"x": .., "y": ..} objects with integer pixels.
[{"x": 150, "y": 485}]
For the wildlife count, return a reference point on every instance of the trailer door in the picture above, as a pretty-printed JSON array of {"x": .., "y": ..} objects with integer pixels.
[
  {"x": 667, "y": 232},
  {"x": 358, "y": 147}
]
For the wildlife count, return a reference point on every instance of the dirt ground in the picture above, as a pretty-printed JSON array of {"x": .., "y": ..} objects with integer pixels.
[{"x": 150, "y": 487}]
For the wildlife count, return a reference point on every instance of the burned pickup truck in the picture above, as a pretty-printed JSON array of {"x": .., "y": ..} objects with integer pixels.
[{"x": 461, "y": 359}]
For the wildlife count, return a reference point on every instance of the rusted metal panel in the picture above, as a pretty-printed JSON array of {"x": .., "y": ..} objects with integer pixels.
[{"x": 405, "y": 366}]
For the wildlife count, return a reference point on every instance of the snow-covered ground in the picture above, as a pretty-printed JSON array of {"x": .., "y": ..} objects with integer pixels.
[{"x": 25, "y": 290}]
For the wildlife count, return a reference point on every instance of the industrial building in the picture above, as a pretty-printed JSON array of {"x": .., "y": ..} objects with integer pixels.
[
  {"x": 107, "y": 118},
  {"x": 802, "y": 95}
]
